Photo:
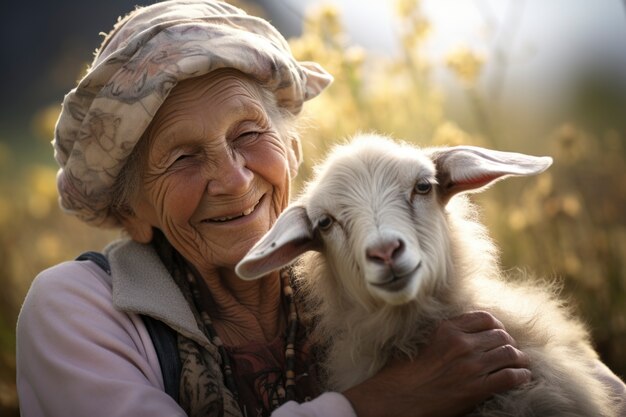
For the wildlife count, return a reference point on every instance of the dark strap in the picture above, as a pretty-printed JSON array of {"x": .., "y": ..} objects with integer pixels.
[
  {"x": 165, "y": 343},
  {"x": 97, "y": 258},
  {"x": 163, "y": 337}
]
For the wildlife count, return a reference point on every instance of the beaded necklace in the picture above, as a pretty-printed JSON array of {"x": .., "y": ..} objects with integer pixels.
[
  {"x": 285, "y": 392},
  {"x": 194, "y": 401}
]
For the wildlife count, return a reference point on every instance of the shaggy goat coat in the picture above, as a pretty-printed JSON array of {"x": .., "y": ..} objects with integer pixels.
[{"x": 391, "y": 248}]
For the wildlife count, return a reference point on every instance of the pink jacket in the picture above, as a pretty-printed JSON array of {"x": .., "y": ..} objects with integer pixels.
[{"x": 83, "y": 350}]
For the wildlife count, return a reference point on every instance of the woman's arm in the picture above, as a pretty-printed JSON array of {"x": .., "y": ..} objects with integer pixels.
[
  {"x": 469, "y": 359},
  {"x": 78, "y": 356}
]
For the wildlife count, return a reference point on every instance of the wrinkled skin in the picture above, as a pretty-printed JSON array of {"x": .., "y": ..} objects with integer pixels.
[{"x": 214, "y": 153}]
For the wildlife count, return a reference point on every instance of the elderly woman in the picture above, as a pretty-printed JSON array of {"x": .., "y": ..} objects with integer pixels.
[{"x": 182, "y": 133}]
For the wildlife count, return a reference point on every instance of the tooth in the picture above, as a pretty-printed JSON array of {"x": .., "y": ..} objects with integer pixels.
[{"x": 244, "y": 213}]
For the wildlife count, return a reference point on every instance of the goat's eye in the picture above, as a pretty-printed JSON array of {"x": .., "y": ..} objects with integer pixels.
[
  {"x": 423, "y": 187},
  {"x": 325, "y": 222}
]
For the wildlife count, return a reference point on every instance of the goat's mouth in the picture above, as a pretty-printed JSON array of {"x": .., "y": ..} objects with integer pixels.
[{"x": 397, "y": 282}]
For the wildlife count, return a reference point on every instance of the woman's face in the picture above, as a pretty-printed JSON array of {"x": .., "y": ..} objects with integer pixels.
[{"x": 217, "y": 174}]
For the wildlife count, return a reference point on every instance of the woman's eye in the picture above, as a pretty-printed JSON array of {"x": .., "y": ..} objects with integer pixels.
[
  {"x": 423, "y": 187},
  {"x": 249, "y": 135},
  {"x": 180, "y": 158},
  {"x": 325, "y": 222}
]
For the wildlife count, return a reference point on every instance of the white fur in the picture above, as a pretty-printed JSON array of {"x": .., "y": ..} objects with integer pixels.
[{"x": 448, "y": 262}]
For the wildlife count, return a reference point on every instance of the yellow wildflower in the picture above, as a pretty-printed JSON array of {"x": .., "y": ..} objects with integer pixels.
[{"x": 466, "y": 65}]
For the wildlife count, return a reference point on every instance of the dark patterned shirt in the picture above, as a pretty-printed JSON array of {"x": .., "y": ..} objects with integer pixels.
[{"x": 259, "y": 370}]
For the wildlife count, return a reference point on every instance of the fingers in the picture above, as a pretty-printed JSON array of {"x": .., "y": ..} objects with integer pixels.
[
  {"x": 480, "y": 341},
  {"x": 476, "y": 321},
  {"x": 502, "y": 357},
  {"x": 506, "y": 379},
  {"x": 477, "y": 331},
  {"x": 468, "y": 358},
  {"x": 491, "y": 339},
  {"x": 489, "y": 336}
]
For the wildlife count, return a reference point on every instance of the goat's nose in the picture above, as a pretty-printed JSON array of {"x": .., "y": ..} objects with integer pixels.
[{"x": 385, "y": 252}]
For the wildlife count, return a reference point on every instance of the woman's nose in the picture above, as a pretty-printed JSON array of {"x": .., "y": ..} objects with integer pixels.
[{"x": 231, "y": 176}]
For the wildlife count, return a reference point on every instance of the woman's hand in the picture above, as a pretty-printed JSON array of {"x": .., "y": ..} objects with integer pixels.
[{"x": 469, "y": 358}]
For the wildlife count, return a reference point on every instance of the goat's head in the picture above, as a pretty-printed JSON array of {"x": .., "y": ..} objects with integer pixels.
[{"x": 376, "y": 210}]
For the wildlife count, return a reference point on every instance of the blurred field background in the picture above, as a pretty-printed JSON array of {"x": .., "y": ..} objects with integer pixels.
[{"x": 546, "y": 78}]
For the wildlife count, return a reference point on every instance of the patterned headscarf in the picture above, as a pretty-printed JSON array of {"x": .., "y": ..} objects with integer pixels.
[{"x": 140, "y": 61}]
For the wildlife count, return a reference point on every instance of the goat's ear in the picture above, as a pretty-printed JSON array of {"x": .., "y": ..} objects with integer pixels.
[
  {"x": 290, "y": 237},
  {"x": 471, "y": 168}
]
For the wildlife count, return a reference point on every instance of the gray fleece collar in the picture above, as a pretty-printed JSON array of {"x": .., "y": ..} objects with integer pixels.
[{"x": 142, "y": 285}]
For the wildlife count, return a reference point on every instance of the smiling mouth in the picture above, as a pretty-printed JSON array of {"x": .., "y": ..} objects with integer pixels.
[{"x": 246, "y": 212}]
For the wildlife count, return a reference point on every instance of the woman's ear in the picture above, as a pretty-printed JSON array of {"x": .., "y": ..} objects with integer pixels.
[
  {"x": 139, "y": 230},
  {"x": 294, "y": 154}
]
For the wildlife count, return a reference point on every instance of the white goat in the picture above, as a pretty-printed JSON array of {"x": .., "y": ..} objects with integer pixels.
[{"x": 390, "y": 253}]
